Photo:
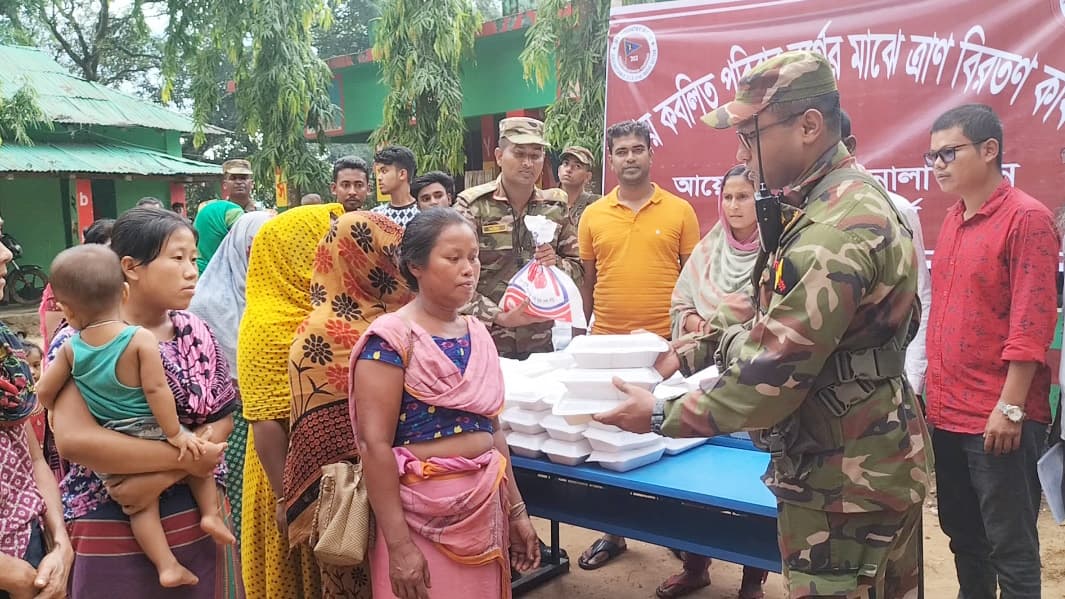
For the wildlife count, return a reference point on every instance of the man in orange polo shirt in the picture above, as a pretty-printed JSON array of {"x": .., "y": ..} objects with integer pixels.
[{"x": 633, "y": 243}]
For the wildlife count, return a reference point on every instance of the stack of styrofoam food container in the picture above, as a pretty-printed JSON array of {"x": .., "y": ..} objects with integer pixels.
[
  {"x": 525, "y": 405},
  {"x": 567, "y": 444},
  {"x": 590, "y": 390}
]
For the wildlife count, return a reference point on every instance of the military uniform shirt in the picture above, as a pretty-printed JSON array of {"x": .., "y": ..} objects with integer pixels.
[
  {"x": 843, "y": 279},
  {"x": 578, "y": 207},
  {"x": 505, "y": 246}
]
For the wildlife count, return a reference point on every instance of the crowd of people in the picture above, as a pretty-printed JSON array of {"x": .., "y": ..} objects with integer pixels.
[{"x": 199, "y": 379}]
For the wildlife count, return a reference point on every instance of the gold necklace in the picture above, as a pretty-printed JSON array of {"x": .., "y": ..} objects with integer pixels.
[{"x": 99, "y": 324}]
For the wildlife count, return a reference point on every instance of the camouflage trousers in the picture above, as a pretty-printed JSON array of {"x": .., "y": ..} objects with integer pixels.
[{"x": 870, "y": 555}]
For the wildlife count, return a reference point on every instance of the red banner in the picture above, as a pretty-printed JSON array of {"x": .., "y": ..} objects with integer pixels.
[
  {"x": 177, "y": 198},
  {"x": 83, "y": 200},
  {"x": 899, "y": 63}
]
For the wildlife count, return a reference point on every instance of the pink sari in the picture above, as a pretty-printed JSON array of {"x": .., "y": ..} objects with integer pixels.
[{"x": 455, "y": 505}]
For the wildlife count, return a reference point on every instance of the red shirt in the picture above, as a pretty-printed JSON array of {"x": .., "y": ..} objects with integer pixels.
[{"x": 994, "y": 300}]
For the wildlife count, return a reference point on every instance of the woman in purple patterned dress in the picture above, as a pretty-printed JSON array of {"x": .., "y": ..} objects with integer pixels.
[{"x": 158, "y": 254}]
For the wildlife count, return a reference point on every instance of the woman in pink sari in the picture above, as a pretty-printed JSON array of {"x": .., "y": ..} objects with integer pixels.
[{"x": 426, "y": 393}]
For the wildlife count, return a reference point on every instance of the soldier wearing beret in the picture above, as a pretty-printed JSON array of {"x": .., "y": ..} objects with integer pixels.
[
  {"x": 819, "y": 379},
  {"x": 497, "y": 211}
]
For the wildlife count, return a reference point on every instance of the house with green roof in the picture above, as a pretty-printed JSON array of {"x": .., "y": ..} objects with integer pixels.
[{"x": 105, "y": 151}]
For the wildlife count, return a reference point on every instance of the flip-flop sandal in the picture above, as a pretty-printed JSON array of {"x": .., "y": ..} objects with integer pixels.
[
  {"x": 673, "y": 587},
  {"x": 610, "y": 548}
]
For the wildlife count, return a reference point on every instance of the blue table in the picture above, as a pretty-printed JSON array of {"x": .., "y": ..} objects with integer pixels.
[{"x": 709, "y": 500}]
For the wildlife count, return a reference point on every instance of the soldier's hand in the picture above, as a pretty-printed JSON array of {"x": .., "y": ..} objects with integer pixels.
[
  {"x": 669, "y": 361},
  {"x": 517, "y": 317},
  {"x": 545, "y": 255},
  {"x": 634, "y": 414},
  {"x": 1001, "y": 435}
]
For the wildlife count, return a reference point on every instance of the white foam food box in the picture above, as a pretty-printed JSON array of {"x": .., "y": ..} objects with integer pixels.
[
  {"x": 537, "y": 364},
  {"x": 678, "y": 385},
  {"x": 639, "y": 350},
  {"x": 570, "y": 453},
  {"x": 623, "y": 461},
  {"x": 618, "y": 441},
  {"x": 558, "y": 428},
  {"x": 599, "y": 384},
  {"x": 523, "y": 421},
  {"x": 526, "y": 393},
  {"x": 579, "y": 410},
  {"x": 604, "y": 427},
  {"x": 525, "y": 445},
  {"x": 676, "y": 446}
]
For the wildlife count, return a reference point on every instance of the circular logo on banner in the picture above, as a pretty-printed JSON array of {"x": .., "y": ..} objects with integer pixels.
[{"x": 634, "y": 52}]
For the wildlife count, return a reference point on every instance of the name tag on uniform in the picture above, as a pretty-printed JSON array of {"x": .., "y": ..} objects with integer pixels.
[{"x": 496, "y": 228}]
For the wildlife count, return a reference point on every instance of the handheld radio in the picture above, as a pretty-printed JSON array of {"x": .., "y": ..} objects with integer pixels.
[{"x": 767, "y": 207}]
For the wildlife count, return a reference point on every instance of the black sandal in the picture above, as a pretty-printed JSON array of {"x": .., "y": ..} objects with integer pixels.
[{"x": 610, "y": 548}]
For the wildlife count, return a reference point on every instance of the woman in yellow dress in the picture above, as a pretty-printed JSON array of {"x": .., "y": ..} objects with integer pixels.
[{"x": 278, "y": 295}]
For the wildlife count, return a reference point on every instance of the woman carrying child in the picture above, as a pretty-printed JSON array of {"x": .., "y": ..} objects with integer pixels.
[
  {"x": 118, "y": 370},
  {"x": 157, "y": 252}
]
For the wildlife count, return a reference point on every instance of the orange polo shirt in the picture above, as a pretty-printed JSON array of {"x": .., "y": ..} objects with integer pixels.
[{"x": 637, "y": 259}]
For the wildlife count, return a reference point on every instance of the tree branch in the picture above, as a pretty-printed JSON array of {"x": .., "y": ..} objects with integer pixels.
[
  {"x": 53, "y": 26},
  {"x": 72, "y": 21}
]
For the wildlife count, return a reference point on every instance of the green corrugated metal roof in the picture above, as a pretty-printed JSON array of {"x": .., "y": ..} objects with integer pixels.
[
  {"x": 65, "y": 98},
  {"x": 113, "y": 159}
]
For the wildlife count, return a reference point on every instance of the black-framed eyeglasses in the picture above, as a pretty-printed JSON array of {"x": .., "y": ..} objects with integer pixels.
[
  {"x": 948, "y": 154},
  {"x": 748, "y": 139}
]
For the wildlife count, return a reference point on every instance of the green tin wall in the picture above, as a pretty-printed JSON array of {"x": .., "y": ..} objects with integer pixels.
[
  {"x": 492, "y": 83},
  {"x": 168, "y": 142},
  {"x": 33, "y": 212},
  {"x": 128, "y": 192}
]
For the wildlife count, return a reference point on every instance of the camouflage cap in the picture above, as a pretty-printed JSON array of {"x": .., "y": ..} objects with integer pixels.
[
  {"x": 522, "y": 130},
  {"x": 237, "y": 166},
  {"x": 582, "y": 154},
  {"x": 797, "y": 75}
]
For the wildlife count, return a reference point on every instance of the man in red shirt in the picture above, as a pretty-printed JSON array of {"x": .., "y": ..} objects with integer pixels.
[{"x": 992, "y": 320}]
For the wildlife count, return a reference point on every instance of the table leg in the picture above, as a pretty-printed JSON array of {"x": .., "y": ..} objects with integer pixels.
[
  {"x": 549, "y": 568},
  {"x": 555, "y": 553}
]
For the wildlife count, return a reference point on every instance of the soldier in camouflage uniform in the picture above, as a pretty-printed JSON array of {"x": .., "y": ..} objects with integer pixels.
[
  {"x": 822, "y": 369},
  {"x": 497, "y": 211},
  {"x": 574, "y": 173}
]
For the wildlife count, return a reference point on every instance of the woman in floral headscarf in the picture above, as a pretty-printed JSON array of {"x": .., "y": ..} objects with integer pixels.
[{"x": 355, "y": 280}]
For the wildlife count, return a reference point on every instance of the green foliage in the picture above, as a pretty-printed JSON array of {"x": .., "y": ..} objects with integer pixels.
[
  {"x": 266, "y": 48},
  {"x": 99, "y": 40},
  {"x": 420, "y": 46},
  {"x": 350, "y": 33},
  {"x": 19, "y": 114},
  {"x": 572, "y": 37},
  {"x": 14, "y": 28}
]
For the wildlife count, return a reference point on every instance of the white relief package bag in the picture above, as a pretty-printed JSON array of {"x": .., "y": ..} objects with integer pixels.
[{"x": 551, "y": 292}]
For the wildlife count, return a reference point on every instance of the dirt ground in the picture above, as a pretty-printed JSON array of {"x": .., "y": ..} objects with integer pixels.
[{"x": 636, "y": 573}]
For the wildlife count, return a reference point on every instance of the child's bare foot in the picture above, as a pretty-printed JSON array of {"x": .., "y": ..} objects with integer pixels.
[
  {"x": 216, "y": 527},
  {"x": 176, "y": 575}
]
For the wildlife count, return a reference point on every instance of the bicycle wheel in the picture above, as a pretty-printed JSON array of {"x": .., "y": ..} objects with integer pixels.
[{"x": 27, "y": 284}]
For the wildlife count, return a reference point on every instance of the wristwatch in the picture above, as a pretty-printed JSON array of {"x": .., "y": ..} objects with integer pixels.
[
  {"x": 1014, "y": 413},
  {"x": 658, "y": 416}
]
